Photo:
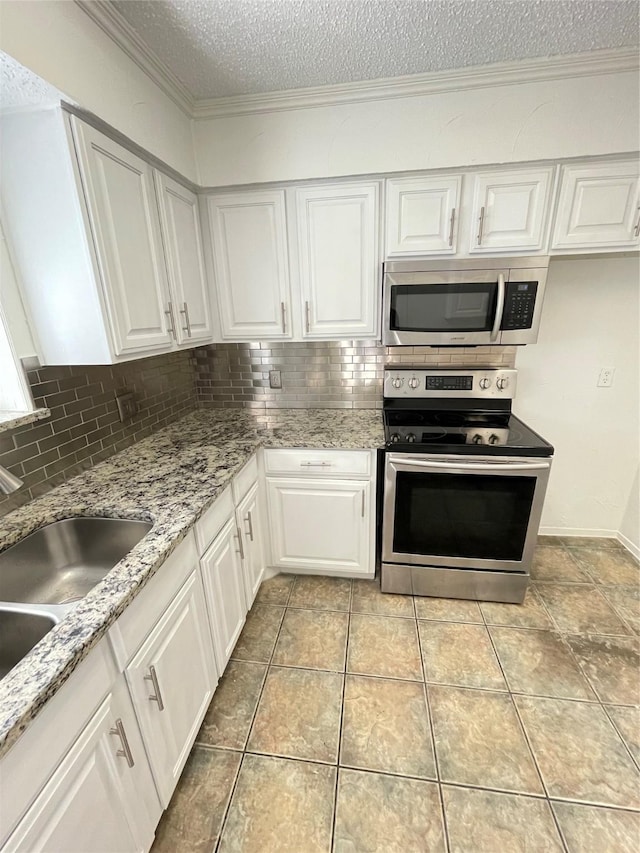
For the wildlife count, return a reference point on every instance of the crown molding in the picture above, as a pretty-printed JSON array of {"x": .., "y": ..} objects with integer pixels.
[
  {"x": 474, "y": 77},
  {"x": 585, "y": 64},
  {"x": 122, "y": 33}
]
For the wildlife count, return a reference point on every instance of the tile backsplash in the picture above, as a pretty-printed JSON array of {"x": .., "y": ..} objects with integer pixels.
[
  {"x": 84, "y": 427},
  {"x": 334, "y": 374}
]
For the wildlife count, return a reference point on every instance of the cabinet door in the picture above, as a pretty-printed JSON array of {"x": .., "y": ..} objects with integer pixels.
[
  {"x": 180, "y": 220},
  {"x": 250, "y": 523},
  {"x": 320, "y": 525},
  {"x": 338, "y": 260},
  {"x": 422, "y": 216},
  {"x": 224, "y": 589},
  {"x": 172, "y": 679},
  {"x": 250, "y": 258},
  {"x": 102, "y": 796},
  {"x": 599, "y": 207},
  {"x": 510, "y": 211},
  {"x": 124, "y": 220}
]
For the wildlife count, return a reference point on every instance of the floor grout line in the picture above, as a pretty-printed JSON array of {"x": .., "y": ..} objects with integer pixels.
[{"x": 244, "y": 752}]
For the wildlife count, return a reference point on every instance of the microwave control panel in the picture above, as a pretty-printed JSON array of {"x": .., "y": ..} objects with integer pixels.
[{"x": 519, "y": 304}]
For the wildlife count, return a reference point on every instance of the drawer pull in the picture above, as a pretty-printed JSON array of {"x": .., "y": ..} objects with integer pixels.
[
  {"x": 157, "y": 695},
  {"x": 636, "y": 230},
  {"x": 363, "y": 503},
  {"x": 249, "y": 520},
  {"x": 172, "y": 328},
  {"x": 315, "y": 464},
  {"x": 125, "y": 752},
  {"x": 451, "y": 224}
]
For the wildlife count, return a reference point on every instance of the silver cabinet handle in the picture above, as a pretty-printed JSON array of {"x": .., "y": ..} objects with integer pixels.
[
  {"x": 499, "y": 308},
  {"x": 451, "y": 224},
  {"x": 315, "y": 464},
  {"x": 363, "y": 503},
  {"x": 283, "y": 311},
  {"x": 636, "y": 230},
  {"x": 157, "y": 695},
  {"x": 306, "y": 314},
  {"x": 249, "y": 520},
  {"x": 172, "y": 324},
  {"x": 240, "y": 549},
  {"x": 125, "y": 752},
  {"x": 185, "y": 310},
  {"x": 481, "y": 225}
]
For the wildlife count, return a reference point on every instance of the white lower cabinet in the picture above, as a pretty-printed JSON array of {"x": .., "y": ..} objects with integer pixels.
[
  {"x": 250, "y": 523},
  {"x": 224, "y": 588},
  {"x": 172, "y": 680},
  {"x": 101, "y": 797},
  {"x": 320, "y": 525}
]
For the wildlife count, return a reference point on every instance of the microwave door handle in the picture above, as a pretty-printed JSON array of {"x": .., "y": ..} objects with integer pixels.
[
  {"x": 471, "y": 466},
  {"x": 499, "y": 308}
]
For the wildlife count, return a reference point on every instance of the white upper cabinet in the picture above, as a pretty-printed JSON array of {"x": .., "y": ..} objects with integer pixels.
[
  {"x": 249, "y": 248},
  {"x": 180, "y": 221},
  {"x": 125, "y": 225},
  {"x": 337, "y": 231},
  {"x": 510, "y": 211},
  {"x": 422, "y": 215},
  {"x": 599, "y": 207}
]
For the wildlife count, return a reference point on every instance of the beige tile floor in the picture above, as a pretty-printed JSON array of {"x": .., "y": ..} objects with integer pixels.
[{"x": 353, "y": 721}]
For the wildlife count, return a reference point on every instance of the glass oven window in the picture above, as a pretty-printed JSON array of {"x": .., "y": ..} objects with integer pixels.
[
  {"x": 443, "y": 307},
  {"x": 462, "y": 515}
]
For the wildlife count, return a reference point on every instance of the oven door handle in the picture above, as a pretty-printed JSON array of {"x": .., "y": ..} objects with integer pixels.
[
  {"x": 471, "y": 466},
  {"x": 499, "y": 308}
]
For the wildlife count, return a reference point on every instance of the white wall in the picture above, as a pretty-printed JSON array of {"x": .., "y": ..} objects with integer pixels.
[
  {"x": 501, "y": 124},
  {"x": 630, "y": 525},
  {"x": 590, "y": 320},
  {"x": 60, "y": 43},
  {"x": 12, "y": 305}
]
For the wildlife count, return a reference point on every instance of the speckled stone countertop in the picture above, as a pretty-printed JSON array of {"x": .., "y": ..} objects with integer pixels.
[
  {"x": 170, "y": 479},
  {"x": 12, "y": 420}
]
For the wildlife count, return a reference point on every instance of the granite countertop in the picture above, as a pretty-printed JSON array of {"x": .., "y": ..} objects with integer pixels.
[{"x": 169, "y": 479}]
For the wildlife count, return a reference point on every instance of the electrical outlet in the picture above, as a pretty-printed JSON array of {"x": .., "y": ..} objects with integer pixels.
[
  {"x": 605, "y": 380},
  {"x": 127, "y": 405},
  {"x": 275, "y": 379}
]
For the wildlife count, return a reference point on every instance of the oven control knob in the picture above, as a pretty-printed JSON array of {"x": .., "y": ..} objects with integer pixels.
[
  {"x": 484, "y": 383},
  {"x": 502, "y": 382},
  {"x": 493, "y": 439},
  {"x": 477, "y": 438},
  {"x": 414, "y": 382},
  {"x": 395, "y": 438},
  {"x": 410, "y": 436},
  {"x": 398, "y": 382}
]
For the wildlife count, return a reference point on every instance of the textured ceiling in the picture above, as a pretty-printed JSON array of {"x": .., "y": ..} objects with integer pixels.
[
  {"x": 20, "y": 87},
  {"x": 234, "y": 47}
]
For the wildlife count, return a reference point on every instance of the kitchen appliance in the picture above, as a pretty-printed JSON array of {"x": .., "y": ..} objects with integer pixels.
[
  {"x": 473, "y": 302},
  {"x": 464, "y": 484}
]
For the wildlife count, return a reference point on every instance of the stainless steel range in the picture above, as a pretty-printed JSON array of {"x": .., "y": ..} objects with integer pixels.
[{"x": 464, "y": 484}]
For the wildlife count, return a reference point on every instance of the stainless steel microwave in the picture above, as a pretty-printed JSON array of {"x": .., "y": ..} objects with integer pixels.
[{"x": 470, "y": 302}]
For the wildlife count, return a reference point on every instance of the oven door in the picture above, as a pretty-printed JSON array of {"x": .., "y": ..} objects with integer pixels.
[
  {"x": 461, "y": 511},
  {"x": 443, "y": 308}
]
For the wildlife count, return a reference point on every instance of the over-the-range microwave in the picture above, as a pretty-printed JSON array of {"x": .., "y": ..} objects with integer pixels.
[{"x": 470, "y": 302}]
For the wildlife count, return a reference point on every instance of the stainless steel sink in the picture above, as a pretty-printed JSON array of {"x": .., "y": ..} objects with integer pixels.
[
  {"x": 61, "y": 562},
  {"x": 20, "y": 630}
]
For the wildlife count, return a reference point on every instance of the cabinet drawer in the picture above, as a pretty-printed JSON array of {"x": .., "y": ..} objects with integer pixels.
[
  {"x": 318, "y": 463},
  {"x": 214, "y": 519},
  {"x": 139, "y": 618},
  {"x": 243, "y": 481}
]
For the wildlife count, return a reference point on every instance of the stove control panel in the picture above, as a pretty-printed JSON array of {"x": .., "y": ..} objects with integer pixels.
[{"x": 417, "y": 383}]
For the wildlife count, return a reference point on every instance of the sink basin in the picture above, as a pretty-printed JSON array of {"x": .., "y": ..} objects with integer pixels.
[
  {"x": 61, "y": 562},
  {"x": 19, "y": 633}
]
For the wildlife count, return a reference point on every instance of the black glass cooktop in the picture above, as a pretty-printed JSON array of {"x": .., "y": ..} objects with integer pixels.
[{"x": 481, "y": 433}]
